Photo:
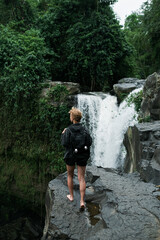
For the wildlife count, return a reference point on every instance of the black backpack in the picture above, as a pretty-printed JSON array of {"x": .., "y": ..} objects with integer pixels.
[{"x": 80, "y": 141}]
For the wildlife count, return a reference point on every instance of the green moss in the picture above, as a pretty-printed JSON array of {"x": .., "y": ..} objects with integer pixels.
[
  {"x": 135, "y": 98},
  {"x": 145, "y": 119},
  {"x": 122, "y": 96}
]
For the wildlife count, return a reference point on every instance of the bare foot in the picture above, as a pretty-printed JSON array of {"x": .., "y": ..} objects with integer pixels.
[
  {"x": 70, "y": 197},
  {"x": 82, "y": 205}
]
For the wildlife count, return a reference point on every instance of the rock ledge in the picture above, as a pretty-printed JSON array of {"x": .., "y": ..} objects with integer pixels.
[{"x": 129, "y": 208}]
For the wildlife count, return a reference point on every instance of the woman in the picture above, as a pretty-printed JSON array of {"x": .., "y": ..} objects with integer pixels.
[{"x": 71, "y": 159}]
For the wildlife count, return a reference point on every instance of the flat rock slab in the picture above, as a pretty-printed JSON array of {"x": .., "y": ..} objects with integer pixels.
[
  {"x": 149, "y": 126},
  {"x": 129, "y": 208},
  {"x": 132, "y": 80},
  {"x": 124, "y": 87}
]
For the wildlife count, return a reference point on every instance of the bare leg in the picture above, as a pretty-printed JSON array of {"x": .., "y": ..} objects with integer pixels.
[
  {"x": 82, "y": 183},
  {"x": 70, "y": 172}
]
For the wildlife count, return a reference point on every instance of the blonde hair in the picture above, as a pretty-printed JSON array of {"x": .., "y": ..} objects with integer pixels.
[{"x": 76, "y": 114}]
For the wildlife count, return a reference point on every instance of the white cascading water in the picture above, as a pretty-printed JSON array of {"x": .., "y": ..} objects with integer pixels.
[{"x": 107, "y": 123}]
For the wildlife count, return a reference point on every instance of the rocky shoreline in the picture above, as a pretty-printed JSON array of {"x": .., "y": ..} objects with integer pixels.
[
  {"x": 129, "y": 208},
  {"x": 123, "y": 205}
]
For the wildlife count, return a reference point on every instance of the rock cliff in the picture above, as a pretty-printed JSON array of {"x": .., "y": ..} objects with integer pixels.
[
  {"x": 127, "y": 208},
  {"x": 72, "y": 88},
  {"x": 142, "y": 141},
  {"x": 151, "y": 101},
  {"x": 127, "y": 85}
]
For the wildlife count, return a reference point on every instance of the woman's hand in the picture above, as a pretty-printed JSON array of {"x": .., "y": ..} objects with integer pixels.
[{"x": 64, "y": 131}]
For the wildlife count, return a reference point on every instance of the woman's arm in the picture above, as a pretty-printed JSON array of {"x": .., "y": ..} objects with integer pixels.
[{"x": 65, "y": 138}]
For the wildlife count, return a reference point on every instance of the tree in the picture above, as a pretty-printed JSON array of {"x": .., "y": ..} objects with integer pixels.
[
  {"x": 142, "y": 31},
  {"x": 22, "y": 65},
  {"x": 151, "y": 21},
  {"x": 95, "y": 45},
  {"x": 16, "y": 10},
  {"x": 135, "y": 36},
  {"x": 86, "y": 40}
]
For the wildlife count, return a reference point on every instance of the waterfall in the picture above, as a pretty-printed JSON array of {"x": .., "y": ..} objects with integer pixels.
[{"x": 107, "y": 123}]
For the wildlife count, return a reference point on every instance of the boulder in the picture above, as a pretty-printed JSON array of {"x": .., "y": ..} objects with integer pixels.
[
  {"x": 142, "y": 143},
  {"x": 150, "y": 106},
  {"x": 127, "y": 85},
  {"x": 73, "y": 89},
  {"x": 117, "y": 207},
  {"x": 136, "y": 81}
]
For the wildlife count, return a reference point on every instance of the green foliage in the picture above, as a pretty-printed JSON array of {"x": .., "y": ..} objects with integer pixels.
[
  {"x": 145, "y": 119},
  {"x": 22, "y": 64},
  {"x": 87, "y": 43},
  {"x": 43, "y": 5},
  {"x": 27, "y": 120},
  {"x": 30, "y": 154},
  {"x": 151, "y": 23},
  {"x": 142, "y": 31},
  {"x": 52, "y": 120},
  {"x": 134, "y": 35},
  {"x": 79, "y": 41},
  {"x": 16, "y": 10},
  {"x": 58, "y": 93},
  {"x": 92, "y": 56},
  {"x": 57, "y": 162},
  {"x": 122, "y": 96},
  {"x": 135, "y": 98}
]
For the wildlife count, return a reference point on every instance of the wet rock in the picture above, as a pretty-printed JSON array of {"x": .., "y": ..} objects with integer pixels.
[
  {"x": 127, "y": 85},
  {"x": 69, "y": 99},
  {"x": 142, "y": 143},
  {"x": 136, "y": 81},
  {"x": 73, "y": 88},
  {"x": 128, "y": 209},
  {"x": 150, "y": 106}
]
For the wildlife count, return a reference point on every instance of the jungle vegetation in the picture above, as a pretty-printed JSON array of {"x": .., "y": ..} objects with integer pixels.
[{"x": 60, "y": 40}]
